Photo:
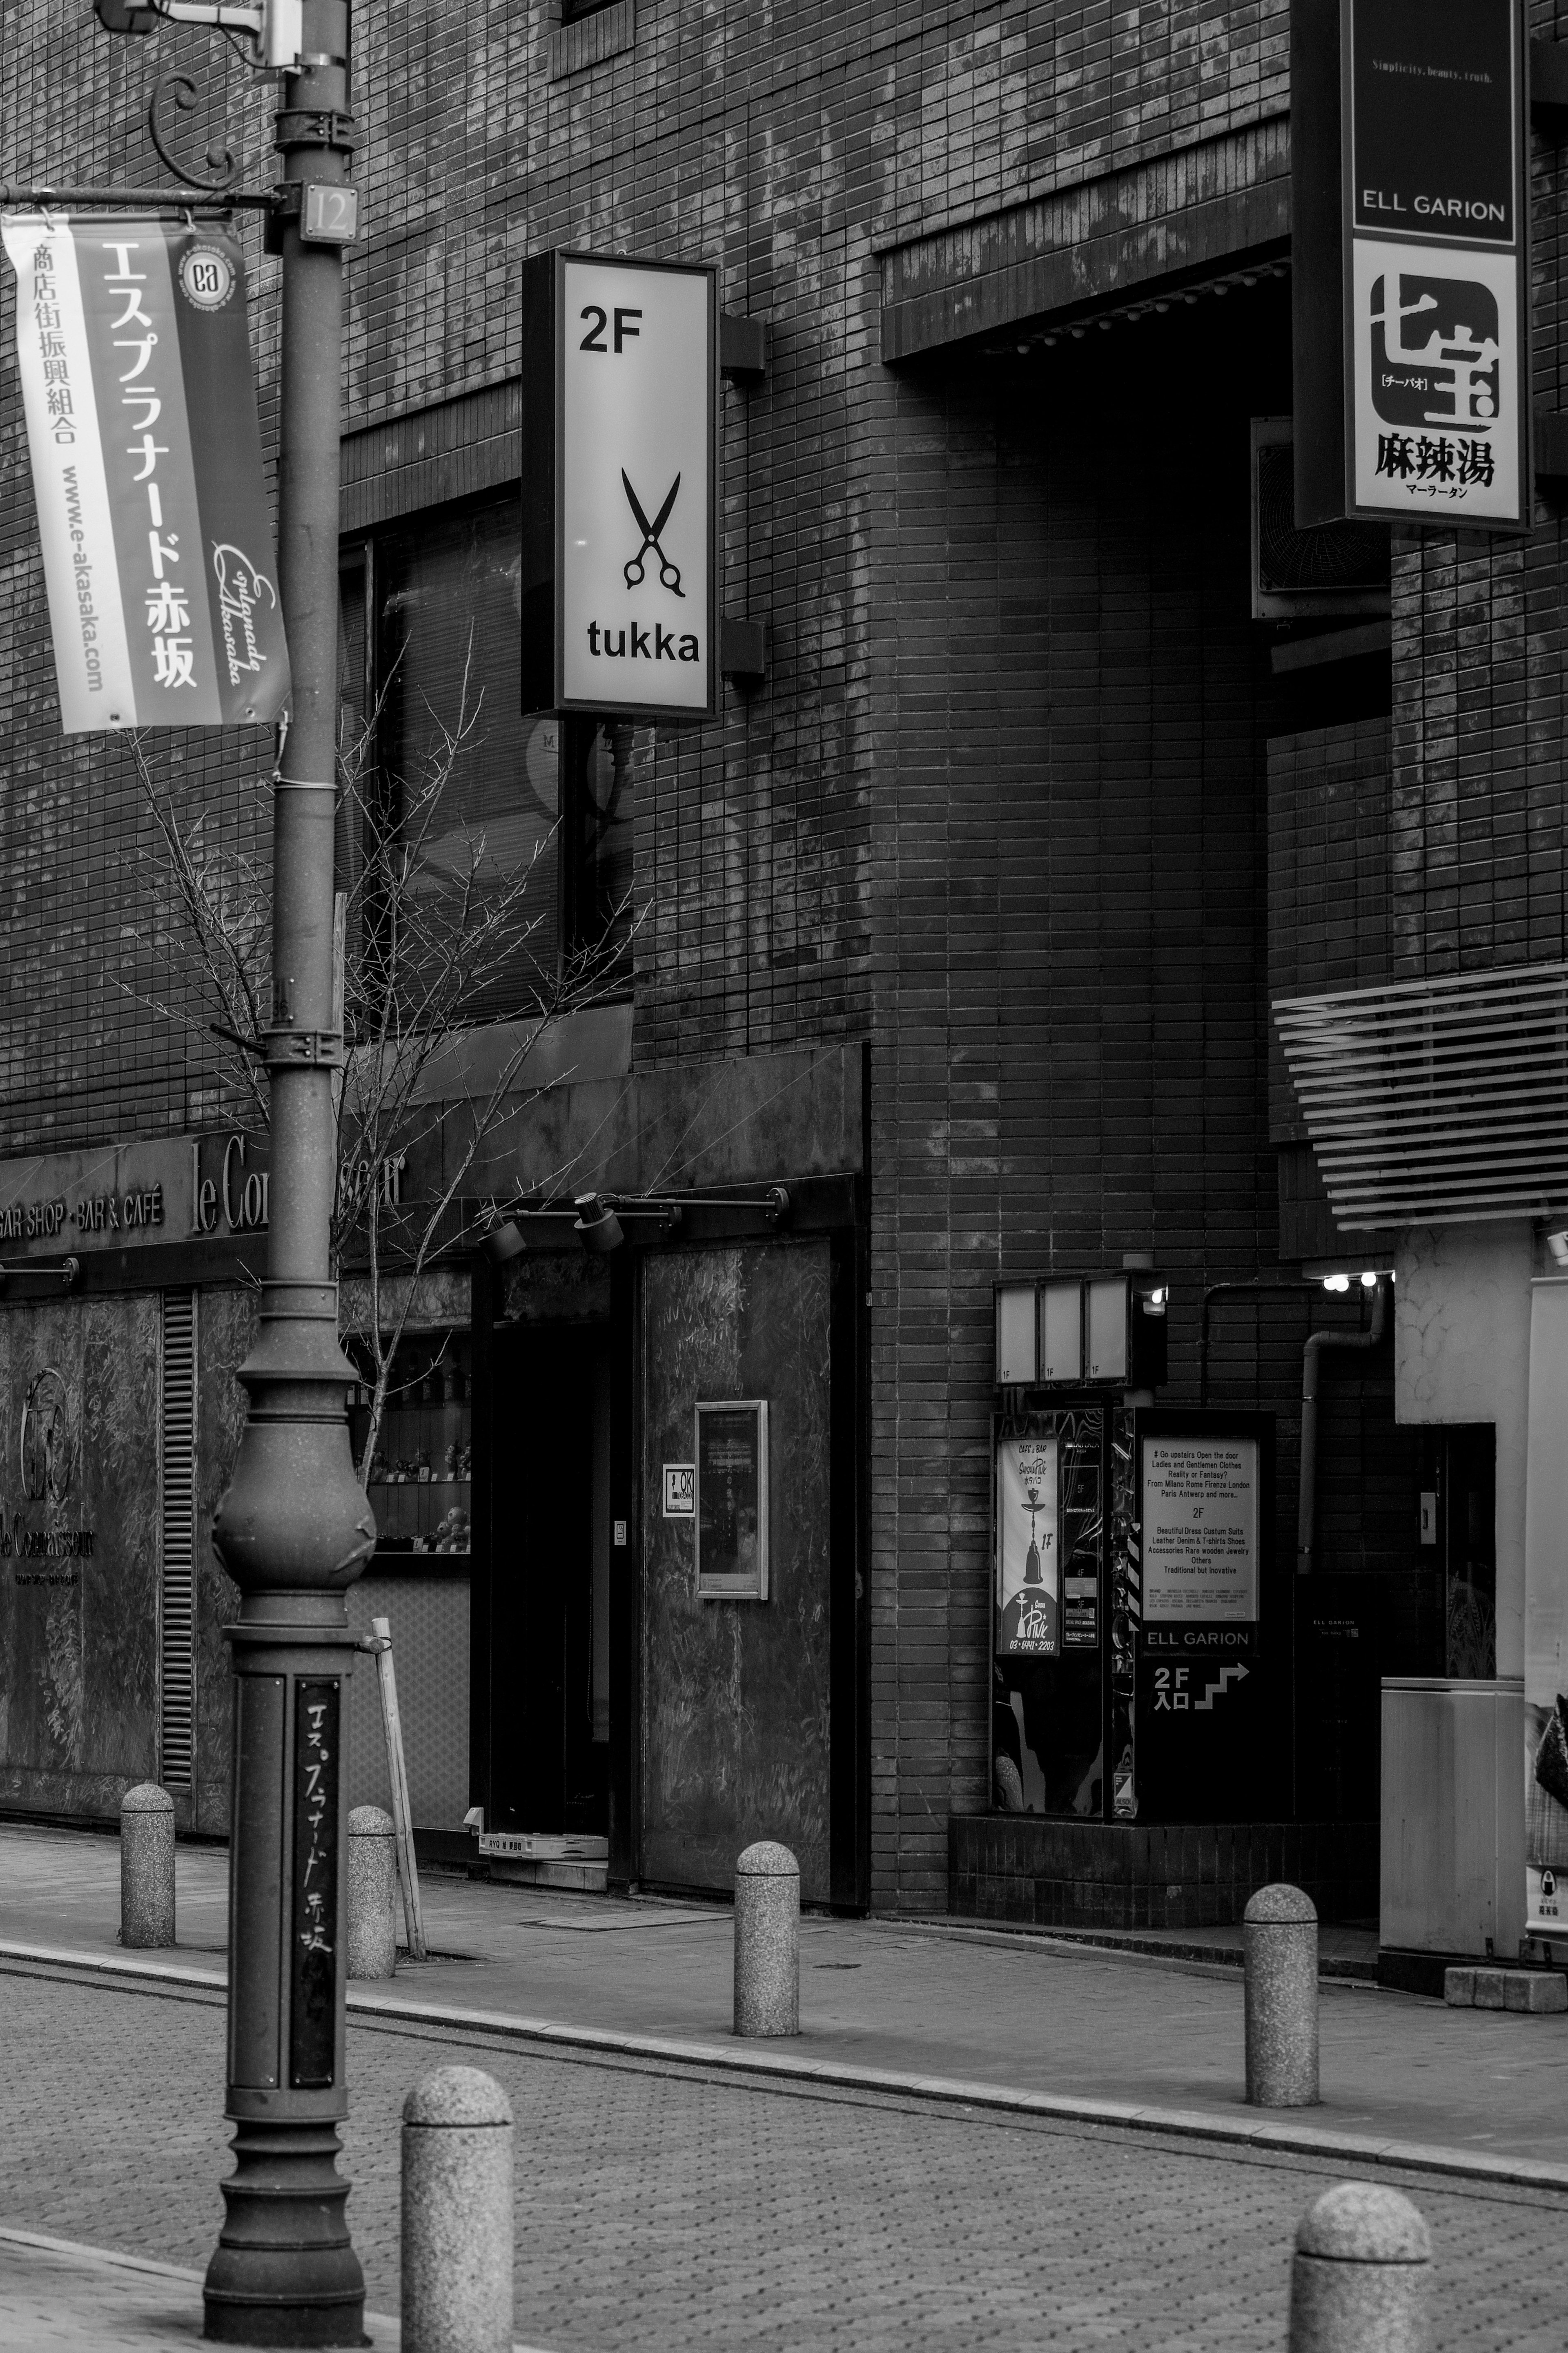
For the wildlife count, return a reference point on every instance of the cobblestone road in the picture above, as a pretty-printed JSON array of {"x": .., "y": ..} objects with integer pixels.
[{"x": 661, "y": 2206}]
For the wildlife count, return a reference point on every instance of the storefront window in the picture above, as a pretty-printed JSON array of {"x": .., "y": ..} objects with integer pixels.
[
  {"x": 443, "y": 779},
  {"x": 437, "y": 754}
]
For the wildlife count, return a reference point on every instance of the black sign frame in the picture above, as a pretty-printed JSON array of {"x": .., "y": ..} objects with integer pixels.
[
  {"x": 543, "y": 472},
  {"x": 1398, "y": 217},
  {"x": 1331, "y": 226},
  {"x": 1195, "y": 1714}
]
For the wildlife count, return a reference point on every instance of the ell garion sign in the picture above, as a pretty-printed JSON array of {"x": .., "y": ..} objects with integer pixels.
[{"x": 1435, "y": 285}]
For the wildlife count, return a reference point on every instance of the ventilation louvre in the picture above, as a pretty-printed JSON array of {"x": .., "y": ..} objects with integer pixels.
[
  {"x": 1433, "y": 1100},
  {"x": 177, "y": 1705}
]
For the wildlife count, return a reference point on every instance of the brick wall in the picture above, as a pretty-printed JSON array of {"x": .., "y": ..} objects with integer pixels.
[
  {"x": 1328, "y": 881},
  {"x": 1069, "y": 925},
  {"x": 1001, "y": 805},
  {"x": 790, "y": 147},
  {"x": 1477, "y": 825}
]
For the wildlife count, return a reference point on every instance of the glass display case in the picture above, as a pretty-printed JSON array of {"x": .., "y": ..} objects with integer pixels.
[{"x": 421, "y": 1478}]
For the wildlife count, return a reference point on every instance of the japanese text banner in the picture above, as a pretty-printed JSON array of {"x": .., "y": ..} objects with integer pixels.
[{"x": 146, "y": 452}]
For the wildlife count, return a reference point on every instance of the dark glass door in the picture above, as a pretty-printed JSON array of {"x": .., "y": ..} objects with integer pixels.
[{"x": 550, "y": 1720}]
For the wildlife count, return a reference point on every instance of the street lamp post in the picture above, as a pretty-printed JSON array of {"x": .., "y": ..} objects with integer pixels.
[{"x": 294, "y": 1529}]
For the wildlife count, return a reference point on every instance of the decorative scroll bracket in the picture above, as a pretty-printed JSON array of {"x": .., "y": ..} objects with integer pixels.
[{"x": 180, "y": 91}]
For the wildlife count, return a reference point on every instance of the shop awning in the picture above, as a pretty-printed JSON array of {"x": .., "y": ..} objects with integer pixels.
[{"x": 1437, "y": 1101}]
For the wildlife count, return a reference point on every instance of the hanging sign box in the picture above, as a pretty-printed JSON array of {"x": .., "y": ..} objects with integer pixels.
[
  {"x": 619, "y": 610},
  {"x": 1412, "y": 293},
  {"x": 146, "y": 458}
]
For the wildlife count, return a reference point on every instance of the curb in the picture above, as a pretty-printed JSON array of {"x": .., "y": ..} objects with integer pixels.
[
  {"x": 1222, "y": 1959},
  {"x": 1264, "y": 2135}
]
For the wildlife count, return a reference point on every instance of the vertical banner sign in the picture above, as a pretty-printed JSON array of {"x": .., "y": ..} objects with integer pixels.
[
  {"x": 313, "y": 1970},
  {"x": 1436, "y": 284},
  {"x": 146, "y": 452},
  {"x": 637, "y": 381}
]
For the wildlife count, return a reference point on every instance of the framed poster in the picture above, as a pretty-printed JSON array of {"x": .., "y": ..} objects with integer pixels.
[
  {"x": 1199, "y": 1512},
  {"x": 1028, "y": 1548},
  {"x": 733, "y": 1500}
]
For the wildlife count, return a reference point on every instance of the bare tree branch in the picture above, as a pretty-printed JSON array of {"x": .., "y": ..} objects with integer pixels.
[{"x": 439, "y": 927}]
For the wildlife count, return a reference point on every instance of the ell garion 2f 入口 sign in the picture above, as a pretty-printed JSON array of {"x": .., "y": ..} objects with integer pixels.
[
  {"x": 1437, "y": 292},
  {"x": 620, "y": 399},
  {"x": 146, "y": 460}
]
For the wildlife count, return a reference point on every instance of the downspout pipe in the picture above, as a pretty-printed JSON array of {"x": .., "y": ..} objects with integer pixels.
[{"x": 1306, "y": 1510}]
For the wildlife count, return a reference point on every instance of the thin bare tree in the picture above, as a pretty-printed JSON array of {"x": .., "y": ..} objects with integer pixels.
[{"x": 435, "y": 927}]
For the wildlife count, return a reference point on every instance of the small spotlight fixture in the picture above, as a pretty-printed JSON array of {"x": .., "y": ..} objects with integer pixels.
[
  {"x": 1557, "y": 1244},
  {"x": 598, "y": 1224},
  {"x": 503, "y": 1236},
  {"x": 1336, "y": 1282},
  {"x": 1368, "y": 1281}
]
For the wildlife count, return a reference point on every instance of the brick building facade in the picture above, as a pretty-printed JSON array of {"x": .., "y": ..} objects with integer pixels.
[{"x": 977, "y": 903}]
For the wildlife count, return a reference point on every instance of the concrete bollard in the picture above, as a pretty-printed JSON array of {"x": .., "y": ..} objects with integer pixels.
[
  {"x": 373, "y": 1893},
  {"x": 767, "y": 1941},
  {"x": 457, "y": 2214},
  {"x": 1361, "y": 2279},
  {"x": 146, "y": 1866},
  {"x": 1280, "y": 1937}
]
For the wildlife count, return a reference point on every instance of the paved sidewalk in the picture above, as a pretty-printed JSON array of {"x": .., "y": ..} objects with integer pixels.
[
  {"x": 1022, "y": 2014},
  {"x": 58, "y": 2296},
  {"x": 663, "y": 2207}
]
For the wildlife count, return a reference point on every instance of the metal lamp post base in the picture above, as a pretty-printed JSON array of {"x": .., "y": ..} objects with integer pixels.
[{"x": 285, "y": 2271}]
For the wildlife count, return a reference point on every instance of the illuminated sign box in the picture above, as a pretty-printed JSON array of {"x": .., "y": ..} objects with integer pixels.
[
  {"x": 1411, "y": 288},
  {"x": 618, "y": 585}
]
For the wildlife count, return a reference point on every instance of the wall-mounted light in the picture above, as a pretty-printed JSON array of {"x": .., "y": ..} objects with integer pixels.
[
  {"x": 598, "y": 1224},
  {"x": 1336, "y": 1282},
  {"x": 503, "y": 1236}
]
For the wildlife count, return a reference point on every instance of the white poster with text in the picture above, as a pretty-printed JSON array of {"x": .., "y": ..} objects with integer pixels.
[{"x": 1200, "y": 1530}]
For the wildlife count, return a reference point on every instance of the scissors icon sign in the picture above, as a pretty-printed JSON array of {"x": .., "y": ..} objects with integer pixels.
[{"x": 668, "y": 573}]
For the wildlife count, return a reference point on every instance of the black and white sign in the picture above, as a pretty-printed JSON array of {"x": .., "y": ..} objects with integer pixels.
[
  {"x": 1437, "y": 313},
  {"x": 679, "y": 1491},
  {"x": 1200, "y": 1527},
  {"x": 1028, "y": 1553},
  {"x": 634, "y": 487}
]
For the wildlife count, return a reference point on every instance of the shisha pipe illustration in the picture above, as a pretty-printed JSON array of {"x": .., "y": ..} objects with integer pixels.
[{"x": 1032, "y": 1559}]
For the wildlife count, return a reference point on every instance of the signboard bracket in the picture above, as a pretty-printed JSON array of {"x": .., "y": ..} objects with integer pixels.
[{"x": 138, "y": 200}]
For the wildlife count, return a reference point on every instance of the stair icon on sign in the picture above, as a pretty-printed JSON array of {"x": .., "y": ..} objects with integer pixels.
[{"x": 1228, "y": 1676}]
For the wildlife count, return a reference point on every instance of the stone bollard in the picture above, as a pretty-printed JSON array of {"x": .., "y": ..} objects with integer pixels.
[
  {"x": 1362, "y": 2274},
  {"x": 457, "y": 2214},
  {"x": 1279, "y": 1934},
  {"x": 767, "y": 1941},
  {"x": 373, "y": 1893},
  {"x": 146, "y": 1865}
]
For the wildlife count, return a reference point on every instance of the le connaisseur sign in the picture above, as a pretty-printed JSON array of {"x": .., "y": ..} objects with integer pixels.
[{"x": 127, "y": 1195}]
